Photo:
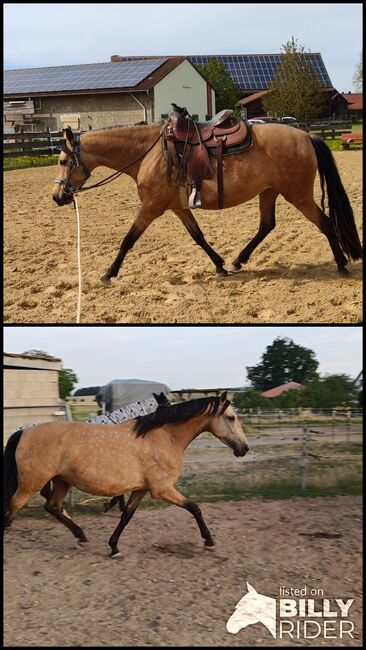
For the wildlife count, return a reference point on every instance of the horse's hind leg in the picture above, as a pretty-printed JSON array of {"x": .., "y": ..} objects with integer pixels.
[
  {"x": 17, "y": 501},
  {"x": 267, "y": 200},
  {"x": 312, "y": 212},
  {"x": 127, "y": 514},
  {"x": 196, "y": 233},
  {"x": 54, "y": 507}
]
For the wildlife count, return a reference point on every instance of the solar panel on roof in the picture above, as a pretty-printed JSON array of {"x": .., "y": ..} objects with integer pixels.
[
  {"x": 252, "y": 71},
  {"x": 79, "y": 77}
]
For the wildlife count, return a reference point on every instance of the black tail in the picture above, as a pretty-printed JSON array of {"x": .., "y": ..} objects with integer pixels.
[
  {"x": 10, "y": 472},
  {"x": 340, "y": 210}
]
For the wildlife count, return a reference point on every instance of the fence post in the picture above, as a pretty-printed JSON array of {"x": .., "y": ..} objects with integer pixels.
[
  {"x": 348, "y": 425},
  {"x": 304, "y": 455},
  {"x": 50, "y": 139}
]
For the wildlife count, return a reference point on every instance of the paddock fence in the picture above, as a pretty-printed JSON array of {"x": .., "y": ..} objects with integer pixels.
[{"x": 43, "y": 143}]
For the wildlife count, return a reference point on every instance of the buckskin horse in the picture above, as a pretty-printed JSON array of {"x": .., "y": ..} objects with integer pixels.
[
  {"x": 52, "y": 456},
  {"x": 277, "y": 159}
]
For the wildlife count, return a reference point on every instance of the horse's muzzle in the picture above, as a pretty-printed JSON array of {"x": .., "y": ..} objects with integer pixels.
[
  {"x": 65, "y": 200},
  {"x": 241, "y": 450}
]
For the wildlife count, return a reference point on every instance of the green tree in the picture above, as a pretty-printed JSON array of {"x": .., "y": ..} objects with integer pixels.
[
  {"x": 296, "y": 88},
  {"x": 227, "y": 91},
  {"x": 250, "y": 398},
  {"x": 283, "y": 361},
  {"x": 67, "y": 378},
  {"x": 89, "y": 390}
]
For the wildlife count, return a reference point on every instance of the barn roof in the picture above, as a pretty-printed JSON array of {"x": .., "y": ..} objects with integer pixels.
[
  {"x": 252, "y": 72},
  {"x": 278, "y": 390},
  {"x": 354, "y": 101},
  {"x": 94, "y": 77}
]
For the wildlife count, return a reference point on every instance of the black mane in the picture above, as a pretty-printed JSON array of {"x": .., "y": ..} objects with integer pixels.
[{"x": 176, "y": 413}]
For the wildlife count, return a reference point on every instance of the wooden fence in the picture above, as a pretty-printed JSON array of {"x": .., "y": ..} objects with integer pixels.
[{"x": 46, "y": 143}]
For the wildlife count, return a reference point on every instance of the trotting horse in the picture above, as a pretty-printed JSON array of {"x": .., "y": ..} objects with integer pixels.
[
  {"x": 50, "y": 457},
  {"x": 283, "y": 160}
]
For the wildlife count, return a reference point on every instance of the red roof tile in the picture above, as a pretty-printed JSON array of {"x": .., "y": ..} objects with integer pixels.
[{"x": 278, "y": 390}]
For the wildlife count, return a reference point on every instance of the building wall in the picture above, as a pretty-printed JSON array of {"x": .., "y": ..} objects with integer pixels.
[
  {"x": 95, "y": 111},
  {"x": 30, "y": 391},
  {"x": 185, "y": 87}
]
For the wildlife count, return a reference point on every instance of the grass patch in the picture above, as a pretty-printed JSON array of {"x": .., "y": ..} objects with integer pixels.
[{"x": 23, "y": 162}]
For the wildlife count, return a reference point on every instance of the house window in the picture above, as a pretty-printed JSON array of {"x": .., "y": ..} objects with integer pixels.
[{"x": 37, "y": 103}]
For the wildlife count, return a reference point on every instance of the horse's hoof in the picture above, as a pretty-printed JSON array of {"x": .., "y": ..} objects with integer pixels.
[
  {"x": 343, "y": 271},
  {"x": 106, "y": 280},
  {"x": 234, "y": 267},
  {"x": 210, "y": 546},
  {"x": 221, "y": 271},
  {"x": 113, "y": 555},
  {"x": 81, "y": 542}
]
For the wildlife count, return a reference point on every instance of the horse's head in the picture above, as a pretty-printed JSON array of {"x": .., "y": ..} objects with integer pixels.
[
  {"x": 225, "y": 425},
  {"x": 72, "y": 174},
  {"x": 253, "y": 608}
]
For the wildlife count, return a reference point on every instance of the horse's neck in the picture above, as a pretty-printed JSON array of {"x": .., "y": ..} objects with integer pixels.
[
  {"x": 186, "y": 432},
  {"x": 118, "y": 147}
]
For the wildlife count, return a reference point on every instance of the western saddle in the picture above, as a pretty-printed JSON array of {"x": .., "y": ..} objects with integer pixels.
[{"x": 189, "y": 146}]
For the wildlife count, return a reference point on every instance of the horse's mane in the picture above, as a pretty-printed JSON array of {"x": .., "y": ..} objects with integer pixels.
[
  {"x": 123, "y": 126},
  {"x": 176, "y": 413}
]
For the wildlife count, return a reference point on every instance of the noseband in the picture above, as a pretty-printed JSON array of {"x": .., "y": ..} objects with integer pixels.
[{"x": 74, "y": 154}]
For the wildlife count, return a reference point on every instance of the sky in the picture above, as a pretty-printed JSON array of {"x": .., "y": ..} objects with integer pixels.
[
  {"x": 51, "y": 34},
  {"x": 182, "y": 357}
]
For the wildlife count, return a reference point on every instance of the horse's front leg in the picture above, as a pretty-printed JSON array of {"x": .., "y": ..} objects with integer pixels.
[
  {"x": 145, "y": 217},
  {"x": 196, "y": 233}
]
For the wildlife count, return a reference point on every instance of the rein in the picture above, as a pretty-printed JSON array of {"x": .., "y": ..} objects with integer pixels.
[{"x": 75, "y": 156}]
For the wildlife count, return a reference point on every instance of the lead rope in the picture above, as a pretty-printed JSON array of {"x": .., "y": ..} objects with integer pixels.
[{"x": 79, "y": 257}]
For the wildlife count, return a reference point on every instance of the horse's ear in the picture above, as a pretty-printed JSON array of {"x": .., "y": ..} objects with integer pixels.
[
  {"x": 69, "y": 135},
  {"x": 223, "y": 397},
  {"x": 250, "y": 588}
]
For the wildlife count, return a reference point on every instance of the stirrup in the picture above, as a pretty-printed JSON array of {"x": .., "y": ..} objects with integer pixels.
[{"x": 194, "y": 200}]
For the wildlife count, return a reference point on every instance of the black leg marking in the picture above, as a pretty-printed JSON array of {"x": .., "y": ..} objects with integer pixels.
[
  {"x": 197, "y": 235},
  {"x": 265, "y": 228},
  {"x": 68, "y": 522},
  {"x": 127, "y": 514},
  {"x": 128, "y": 242},
  {"x": 196, "y": 512}
]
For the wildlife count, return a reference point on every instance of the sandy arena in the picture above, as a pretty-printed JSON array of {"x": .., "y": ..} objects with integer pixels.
[
  {"x": 166, "y": 278},
  {"x": 165, "y": 589}
]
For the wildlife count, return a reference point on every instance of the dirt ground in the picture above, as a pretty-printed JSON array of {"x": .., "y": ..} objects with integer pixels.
[
  {"x": 166, "y": 278},
  {"x": 165, "y": 589}
]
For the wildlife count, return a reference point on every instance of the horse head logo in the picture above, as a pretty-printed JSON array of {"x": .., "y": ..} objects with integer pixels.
[{"x": 253, "y": 608}]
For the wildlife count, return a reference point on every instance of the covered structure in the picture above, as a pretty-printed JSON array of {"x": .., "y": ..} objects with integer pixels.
[
  {"x": 30, "y": 391},
  {"x": 119, "y": 392}
]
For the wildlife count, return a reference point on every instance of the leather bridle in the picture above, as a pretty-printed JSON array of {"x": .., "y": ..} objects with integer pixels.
[{"x": 74, "y": 155}]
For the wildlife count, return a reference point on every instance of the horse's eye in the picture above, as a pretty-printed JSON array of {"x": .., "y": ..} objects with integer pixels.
[
  {"x": 231, "y": 417},
  {"x": 63, "y": 162}
]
